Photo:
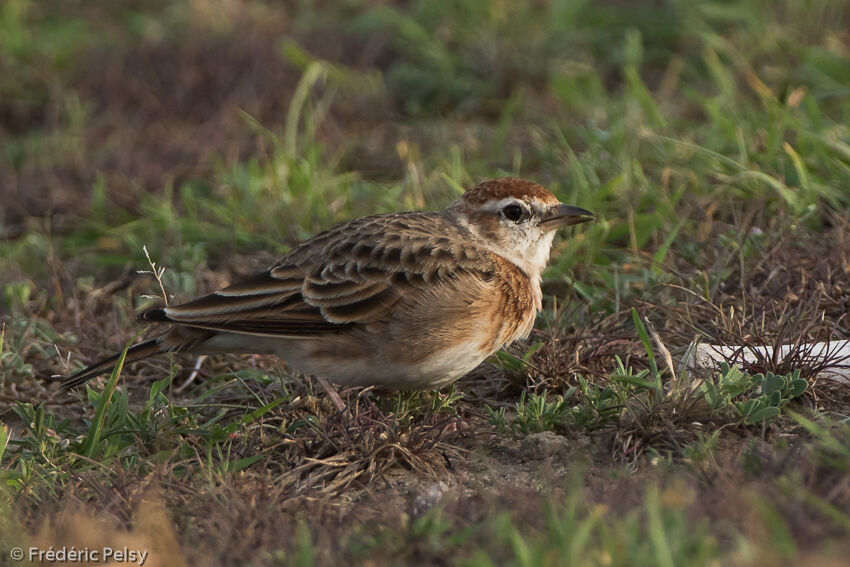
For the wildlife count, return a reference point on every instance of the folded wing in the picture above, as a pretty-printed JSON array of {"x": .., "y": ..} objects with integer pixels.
[{"x": 342, "y": 278}]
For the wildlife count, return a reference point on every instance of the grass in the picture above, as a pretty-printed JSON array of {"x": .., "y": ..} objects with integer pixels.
[{"x": 710, "y": 138}]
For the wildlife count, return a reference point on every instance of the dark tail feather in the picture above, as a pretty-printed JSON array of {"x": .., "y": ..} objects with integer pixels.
[
  {"x": 157, "y": 315},
  {"x": 134, "y": 353}
]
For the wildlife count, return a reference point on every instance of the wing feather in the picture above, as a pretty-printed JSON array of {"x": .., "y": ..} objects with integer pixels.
[{"x": 349, "y": 275}]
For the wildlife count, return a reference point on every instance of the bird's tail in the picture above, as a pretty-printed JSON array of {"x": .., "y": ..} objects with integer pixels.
[{"x": 134, "y": 353}]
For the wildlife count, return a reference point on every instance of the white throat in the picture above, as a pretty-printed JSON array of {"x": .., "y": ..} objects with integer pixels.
[{"x": 530, "y": 257}]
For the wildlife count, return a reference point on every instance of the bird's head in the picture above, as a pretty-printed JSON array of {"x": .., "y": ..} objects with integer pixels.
[{"x": 517, "y": 219}]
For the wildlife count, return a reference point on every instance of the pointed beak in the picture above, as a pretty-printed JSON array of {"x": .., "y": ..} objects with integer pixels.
[{"x": 565, "y": 215}]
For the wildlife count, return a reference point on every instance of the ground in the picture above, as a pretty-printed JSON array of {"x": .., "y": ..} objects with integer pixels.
[{"x": 207, "y": 137}]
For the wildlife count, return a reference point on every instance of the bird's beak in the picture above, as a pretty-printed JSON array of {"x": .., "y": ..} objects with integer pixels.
[{"x": 565, "y": 215}]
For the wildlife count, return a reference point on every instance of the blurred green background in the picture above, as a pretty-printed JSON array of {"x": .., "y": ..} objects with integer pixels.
[{"x": 207, "y": 127}]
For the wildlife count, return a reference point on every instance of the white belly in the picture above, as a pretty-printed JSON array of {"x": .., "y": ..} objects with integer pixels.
[
  {"x": 371, "y": 368},
  {"x": 434, "y": 372}
]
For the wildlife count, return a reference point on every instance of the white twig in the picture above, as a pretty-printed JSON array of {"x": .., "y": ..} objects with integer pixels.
[
  {"x": 66, "y": 360},
  {"x": 157, "y": 273},
  {"x": 835, "y": 355},
  {"x": 198, "y": 362}
]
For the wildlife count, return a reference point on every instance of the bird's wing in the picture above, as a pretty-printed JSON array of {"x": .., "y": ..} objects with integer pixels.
[{"x": 350, "y": 275}]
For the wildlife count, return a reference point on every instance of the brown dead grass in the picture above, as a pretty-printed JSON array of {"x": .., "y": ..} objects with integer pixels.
[
  {"x": 150, "y": 529},
  {"x": 252, "y": 517}
]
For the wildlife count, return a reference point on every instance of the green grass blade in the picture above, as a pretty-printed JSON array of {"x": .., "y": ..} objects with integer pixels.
[
  {"x": 4, "y": 440},
  {"x": 96, "y": 429},
  {"x": 643, "y": 335}
]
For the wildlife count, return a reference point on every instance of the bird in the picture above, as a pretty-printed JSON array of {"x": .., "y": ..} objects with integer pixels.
[{"x": 398, "y": 301}]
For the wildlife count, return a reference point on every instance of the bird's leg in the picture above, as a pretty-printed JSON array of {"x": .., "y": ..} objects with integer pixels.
[{"x": 332, "y": 393}]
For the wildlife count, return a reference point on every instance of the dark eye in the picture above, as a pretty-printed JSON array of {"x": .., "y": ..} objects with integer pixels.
[{"x": 513, "y": 212}]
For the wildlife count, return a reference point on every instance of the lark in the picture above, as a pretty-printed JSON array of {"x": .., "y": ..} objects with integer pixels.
[{"x": 399, "y": 301}]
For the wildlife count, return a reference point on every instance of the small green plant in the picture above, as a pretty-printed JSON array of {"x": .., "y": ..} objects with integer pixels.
[
  {"x": 757, "y": 398},
  {"x": 597, "y": 405},
  {"x": 776, "y": 391},
  {"x": 516, "y": 367},
  {"x": 498, "y": 418},
  {"x": 47, "y": 437},
  {"x": 408, "y": 407},
  {"x": 730, "y": 383},
  {"x": 534, "y": 413}
]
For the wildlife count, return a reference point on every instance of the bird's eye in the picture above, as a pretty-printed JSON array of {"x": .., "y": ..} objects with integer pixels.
[{"x": 513, "y": 213}]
